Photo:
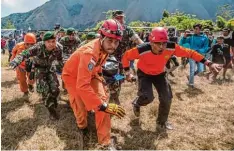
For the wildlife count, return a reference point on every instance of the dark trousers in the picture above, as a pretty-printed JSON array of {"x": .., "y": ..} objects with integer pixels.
[{"x": 145, "y": 93}]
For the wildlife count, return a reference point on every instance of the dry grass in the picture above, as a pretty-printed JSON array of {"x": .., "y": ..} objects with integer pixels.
[
  {"x": 203, "y": 119},
  {"x": 4, "y": 59}
]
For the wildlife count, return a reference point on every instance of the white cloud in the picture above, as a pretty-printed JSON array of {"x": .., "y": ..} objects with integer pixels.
[
  {"x": 18, "y": 6},
  {"x": 9, "y": 3}
]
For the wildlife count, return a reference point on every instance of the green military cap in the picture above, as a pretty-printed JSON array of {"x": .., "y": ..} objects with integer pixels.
[
  {"x": 117, "y": 13},
  {"x": 48, "y": 35},
  {"x": 91, "y": 35},
  {"x": 70, "y": 31},
  {"x": 62, "y": 30}
]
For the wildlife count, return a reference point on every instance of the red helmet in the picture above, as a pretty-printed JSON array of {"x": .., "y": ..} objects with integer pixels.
[
  {"x": 111, "y": 28},
  {"x": 30, "y": 38},
  {"x": 158, "y": 34}
]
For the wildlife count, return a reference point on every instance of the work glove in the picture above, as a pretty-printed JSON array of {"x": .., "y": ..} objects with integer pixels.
[
  {"x": 13, "y": 64},
  {"x": 113, "y": 109}
]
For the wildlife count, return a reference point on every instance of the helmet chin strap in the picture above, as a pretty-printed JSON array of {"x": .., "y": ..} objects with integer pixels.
[{"x": 102, "y": 42}]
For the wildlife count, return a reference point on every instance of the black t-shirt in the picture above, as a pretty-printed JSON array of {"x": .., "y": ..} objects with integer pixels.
[
  {"x": 220, "y": 53},
  {"x": 229, "y": 40},
  {"x": 173, "y": 39},
  {"x": 146, "y": 38}
]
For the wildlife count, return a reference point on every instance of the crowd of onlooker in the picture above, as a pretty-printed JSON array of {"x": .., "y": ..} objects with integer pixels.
[{"x": 218, "y": 47}]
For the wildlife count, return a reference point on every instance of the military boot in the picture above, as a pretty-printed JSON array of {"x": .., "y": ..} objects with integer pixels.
[{"x": 53, "y": 114}]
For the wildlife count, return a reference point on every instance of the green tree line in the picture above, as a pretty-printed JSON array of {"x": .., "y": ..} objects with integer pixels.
[{"x": 183, "y": 21}]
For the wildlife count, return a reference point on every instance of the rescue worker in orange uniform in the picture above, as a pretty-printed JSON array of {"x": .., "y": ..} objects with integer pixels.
[
  {"x": 153, "y": 57},
  {"x": 84, "y": 83},
  {"x": 23, "y": 76}
]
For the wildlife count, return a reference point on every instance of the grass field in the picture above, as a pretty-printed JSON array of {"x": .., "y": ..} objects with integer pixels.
[{"x": 203, "y": 118}]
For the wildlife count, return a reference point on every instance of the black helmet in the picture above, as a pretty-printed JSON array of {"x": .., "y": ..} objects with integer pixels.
[{"x": 111, "y": 67}]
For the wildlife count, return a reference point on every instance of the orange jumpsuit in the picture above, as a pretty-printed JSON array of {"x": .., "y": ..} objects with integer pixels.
[
  {"x": 85, "y": 87},
  {"x": 22, "y": 75}
]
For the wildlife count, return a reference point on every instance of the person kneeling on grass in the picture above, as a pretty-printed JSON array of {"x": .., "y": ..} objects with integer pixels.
[{"x": 220, "y": 55}]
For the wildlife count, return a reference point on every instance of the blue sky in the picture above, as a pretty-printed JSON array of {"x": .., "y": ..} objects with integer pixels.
[{"x": 18, "y": 6}]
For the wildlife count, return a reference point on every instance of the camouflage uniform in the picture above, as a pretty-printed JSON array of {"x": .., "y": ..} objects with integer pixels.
[
  {"x": 69, "y": 46},
  {"x": 129, "y": 35},
  {"x": 83, "y": 43},
  {"x": 45, "y": 63},
  {"x": 89, "y": 37}
]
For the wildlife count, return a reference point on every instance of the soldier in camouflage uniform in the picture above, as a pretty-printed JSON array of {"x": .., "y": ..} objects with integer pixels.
[
  {"x": 47, "y": 55},
  {"x": 61, "y": 33},
  {"x": 129, "y": 36},
  {"x": 70, "y": 43},
  {"x": 89, "y": 37}
]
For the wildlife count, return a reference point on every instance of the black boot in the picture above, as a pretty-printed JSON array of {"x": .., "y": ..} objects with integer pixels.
[
  {"x": 84, "y": 131},
  {"x": 53, "y": 114},
  {"x": 136, "y": 107}
]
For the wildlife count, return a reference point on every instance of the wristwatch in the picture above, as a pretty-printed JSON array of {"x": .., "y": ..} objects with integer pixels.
[{"x": 103, "y": 106}]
